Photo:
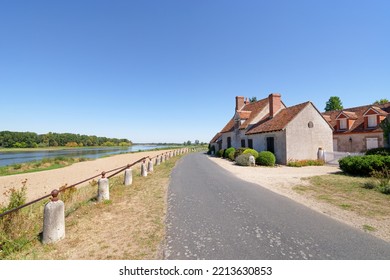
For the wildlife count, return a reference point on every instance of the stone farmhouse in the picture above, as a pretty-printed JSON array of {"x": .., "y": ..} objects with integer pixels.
[
  {"x": 357, "y": 129},
  {"x": 291, "y": 133}
]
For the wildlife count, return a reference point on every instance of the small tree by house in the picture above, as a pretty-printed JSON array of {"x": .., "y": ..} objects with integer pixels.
[{"x": 334, "y": 103}]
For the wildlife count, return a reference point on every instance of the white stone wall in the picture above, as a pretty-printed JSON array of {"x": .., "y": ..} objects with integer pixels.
[
  {"x": 260, "y": 144},
  {"x": 303, "y": 141}
]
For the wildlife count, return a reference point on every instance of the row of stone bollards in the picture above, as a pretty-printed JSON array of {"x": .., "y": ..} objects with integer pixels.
[{"x": 54, "y": 212}]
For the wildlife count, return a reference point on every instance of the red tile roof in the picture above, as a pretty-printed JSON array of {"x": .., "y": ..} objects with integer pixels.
[
  {"x": 358, "y": 115},
  {"x": 279, "y": 121},
  {"x": 216, "y": 137},
  {"x": 247, "y": 113}
]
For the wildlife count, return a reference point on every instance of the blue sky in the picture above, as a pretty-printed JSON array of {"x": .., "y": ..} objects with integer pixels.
[{"x": 169, "y": 71}]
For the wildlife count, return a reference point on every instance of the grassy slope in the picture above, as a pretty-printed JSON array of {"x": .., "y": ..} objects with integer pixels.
[{"x": 129, "y": 226}]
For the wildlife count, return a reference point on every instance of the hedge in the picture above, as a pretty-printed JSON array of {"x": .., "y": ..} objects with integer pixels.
[
  {"x": 364, "y": 165},
  {"x": 379, "y": 151}
]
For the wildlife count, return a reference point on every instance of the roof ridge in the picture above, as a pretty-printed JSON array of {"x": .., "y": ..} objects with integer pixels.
[{"x": 381, "y": 106}]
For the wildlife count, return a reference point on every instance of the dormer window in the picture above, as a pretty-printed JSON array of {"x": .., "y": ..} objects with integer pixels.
[
  {"x": 373, "y": 116},
  {"x": 345, "y": 120},
  {"x": 372, "y": 121},
  {"x": 343, "y": 124}
]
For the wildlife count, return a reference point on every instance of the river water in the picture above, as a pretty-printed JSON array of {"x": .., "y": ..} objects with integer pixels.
[{"x": 8, "y": 158}]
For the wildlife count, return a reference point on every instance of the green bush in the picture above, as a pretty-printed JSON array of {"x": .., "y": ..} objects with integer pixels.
[
  {"x": 384, "y": 180},
  {"x": 220, "y": 153},
  {"x": 211, "y": 150},
  {"x": 252, "y": 152},
  {"x": 231, "y": 156},
  {"x": 243, "y": 160},
  {"x": 266, "y": 158},
  {"x": 385, "y": 189},
  {"x": 239, "y": 152},
  {"x": 364, "y": 165},
  {"x": 228, "y": 151},
  {"x": 379, "y": 151}
]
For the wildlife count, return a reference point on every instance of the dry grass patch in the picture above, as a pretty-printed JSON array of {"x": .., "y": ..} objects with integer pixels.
[
  {"x": 347, "y": 193},
  {"x": 131, "y": 225}
]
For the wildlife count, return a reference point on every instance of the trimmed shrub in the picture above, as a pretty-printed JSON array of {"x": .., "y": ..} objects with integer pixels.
[
  {"x": 228, "y": 151},
  {"x": 239, "y": 152},
  {"x": 379, "y": 151},
  {"x": 252, "y": 152},
  {"x": 231, "y": 156},
  {"x": 266, "y": 158},
  {"x": 243, "y": 160},
  {"x": 364, "y": 165},
  {"x": 220, "y": 153}
]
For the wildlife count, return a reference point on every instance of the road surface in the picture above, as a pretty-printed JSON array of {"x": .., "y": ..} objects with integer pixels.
[{"x": 214, "y": 215}]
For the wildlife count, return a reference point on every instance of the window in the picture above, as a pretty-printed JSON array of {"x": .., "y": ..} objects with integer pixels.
[
  {"x": 243, "y": 143},
  {"x": 343, "y": 124},
  {"x": 271, "y": 144},
  {"x": 372, "y": 143},
  {"x": 229, "y": 142},
  {"x": 250, "y": 143},
  {"x": 372, "y": 121}
]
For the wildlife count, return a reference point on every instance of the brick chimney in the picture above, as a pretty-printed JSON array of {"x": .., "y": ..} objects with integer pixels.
[
  {"x": 240, "y": 102},
  {"x": 275, "y": 103}
]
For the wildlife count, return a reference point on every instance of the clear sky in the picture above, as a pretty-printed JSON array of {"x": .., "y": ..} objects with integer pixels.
[{"x": 169, "y": 70}]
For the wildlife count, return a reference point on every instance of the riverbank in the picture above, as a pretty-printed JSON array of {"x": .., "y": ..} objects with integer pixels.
[
  {"x": 42, "y": 183},
  {"x": 31, "y": 156}
]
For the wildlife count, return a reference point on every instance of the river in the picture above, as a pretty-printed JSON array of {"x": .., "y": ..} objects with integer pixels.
[{"x": 15, "y": 157}]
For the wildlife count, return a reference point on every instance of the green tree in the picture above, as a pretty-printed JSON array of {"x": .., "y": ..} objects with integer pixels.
[
  {"x": 385, "y": 125},
  {"x": 253, "y": 99},
  {"x": 381, "y": 101},
  {"x": 333, "y": 104}
]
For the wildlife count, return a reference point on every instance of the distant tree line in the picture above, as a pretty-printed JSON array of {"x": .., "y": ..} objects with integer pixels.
[{"x": 9, "y": 139}]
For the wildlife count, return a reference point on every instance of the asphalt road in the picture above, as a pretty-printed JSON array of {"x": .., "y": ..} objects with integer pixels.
[{"x": 214, "y": 215}]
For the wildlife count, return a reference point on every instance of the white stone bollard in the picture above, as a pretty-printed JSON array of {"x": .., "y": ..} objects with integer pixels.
[
  {"x": 103, "y": 189},
  {"x": 128, "y": 177},
  {"x": 252, "y": 161},
  {"x": 144, "y": 171},
  {"x": 157, "y": 161},
  {"x": 150, "y": 166},
  {"x": 162, "y": 158},
  {"x": 53, "y": 220}
]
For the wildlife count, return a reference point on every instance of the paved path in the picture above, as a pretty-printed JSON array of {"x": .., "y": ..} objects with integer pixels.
[{"x": 214, "y": 215}]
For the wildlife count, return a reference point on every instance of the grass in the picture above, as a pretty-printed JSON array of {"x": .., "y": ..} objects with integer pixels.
[
  {"x": 41, "y": 165},
  {"x": 131, "y": 225},
  {"x": 348, "y": 193},
  {"x": 369, "y": 228}
]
